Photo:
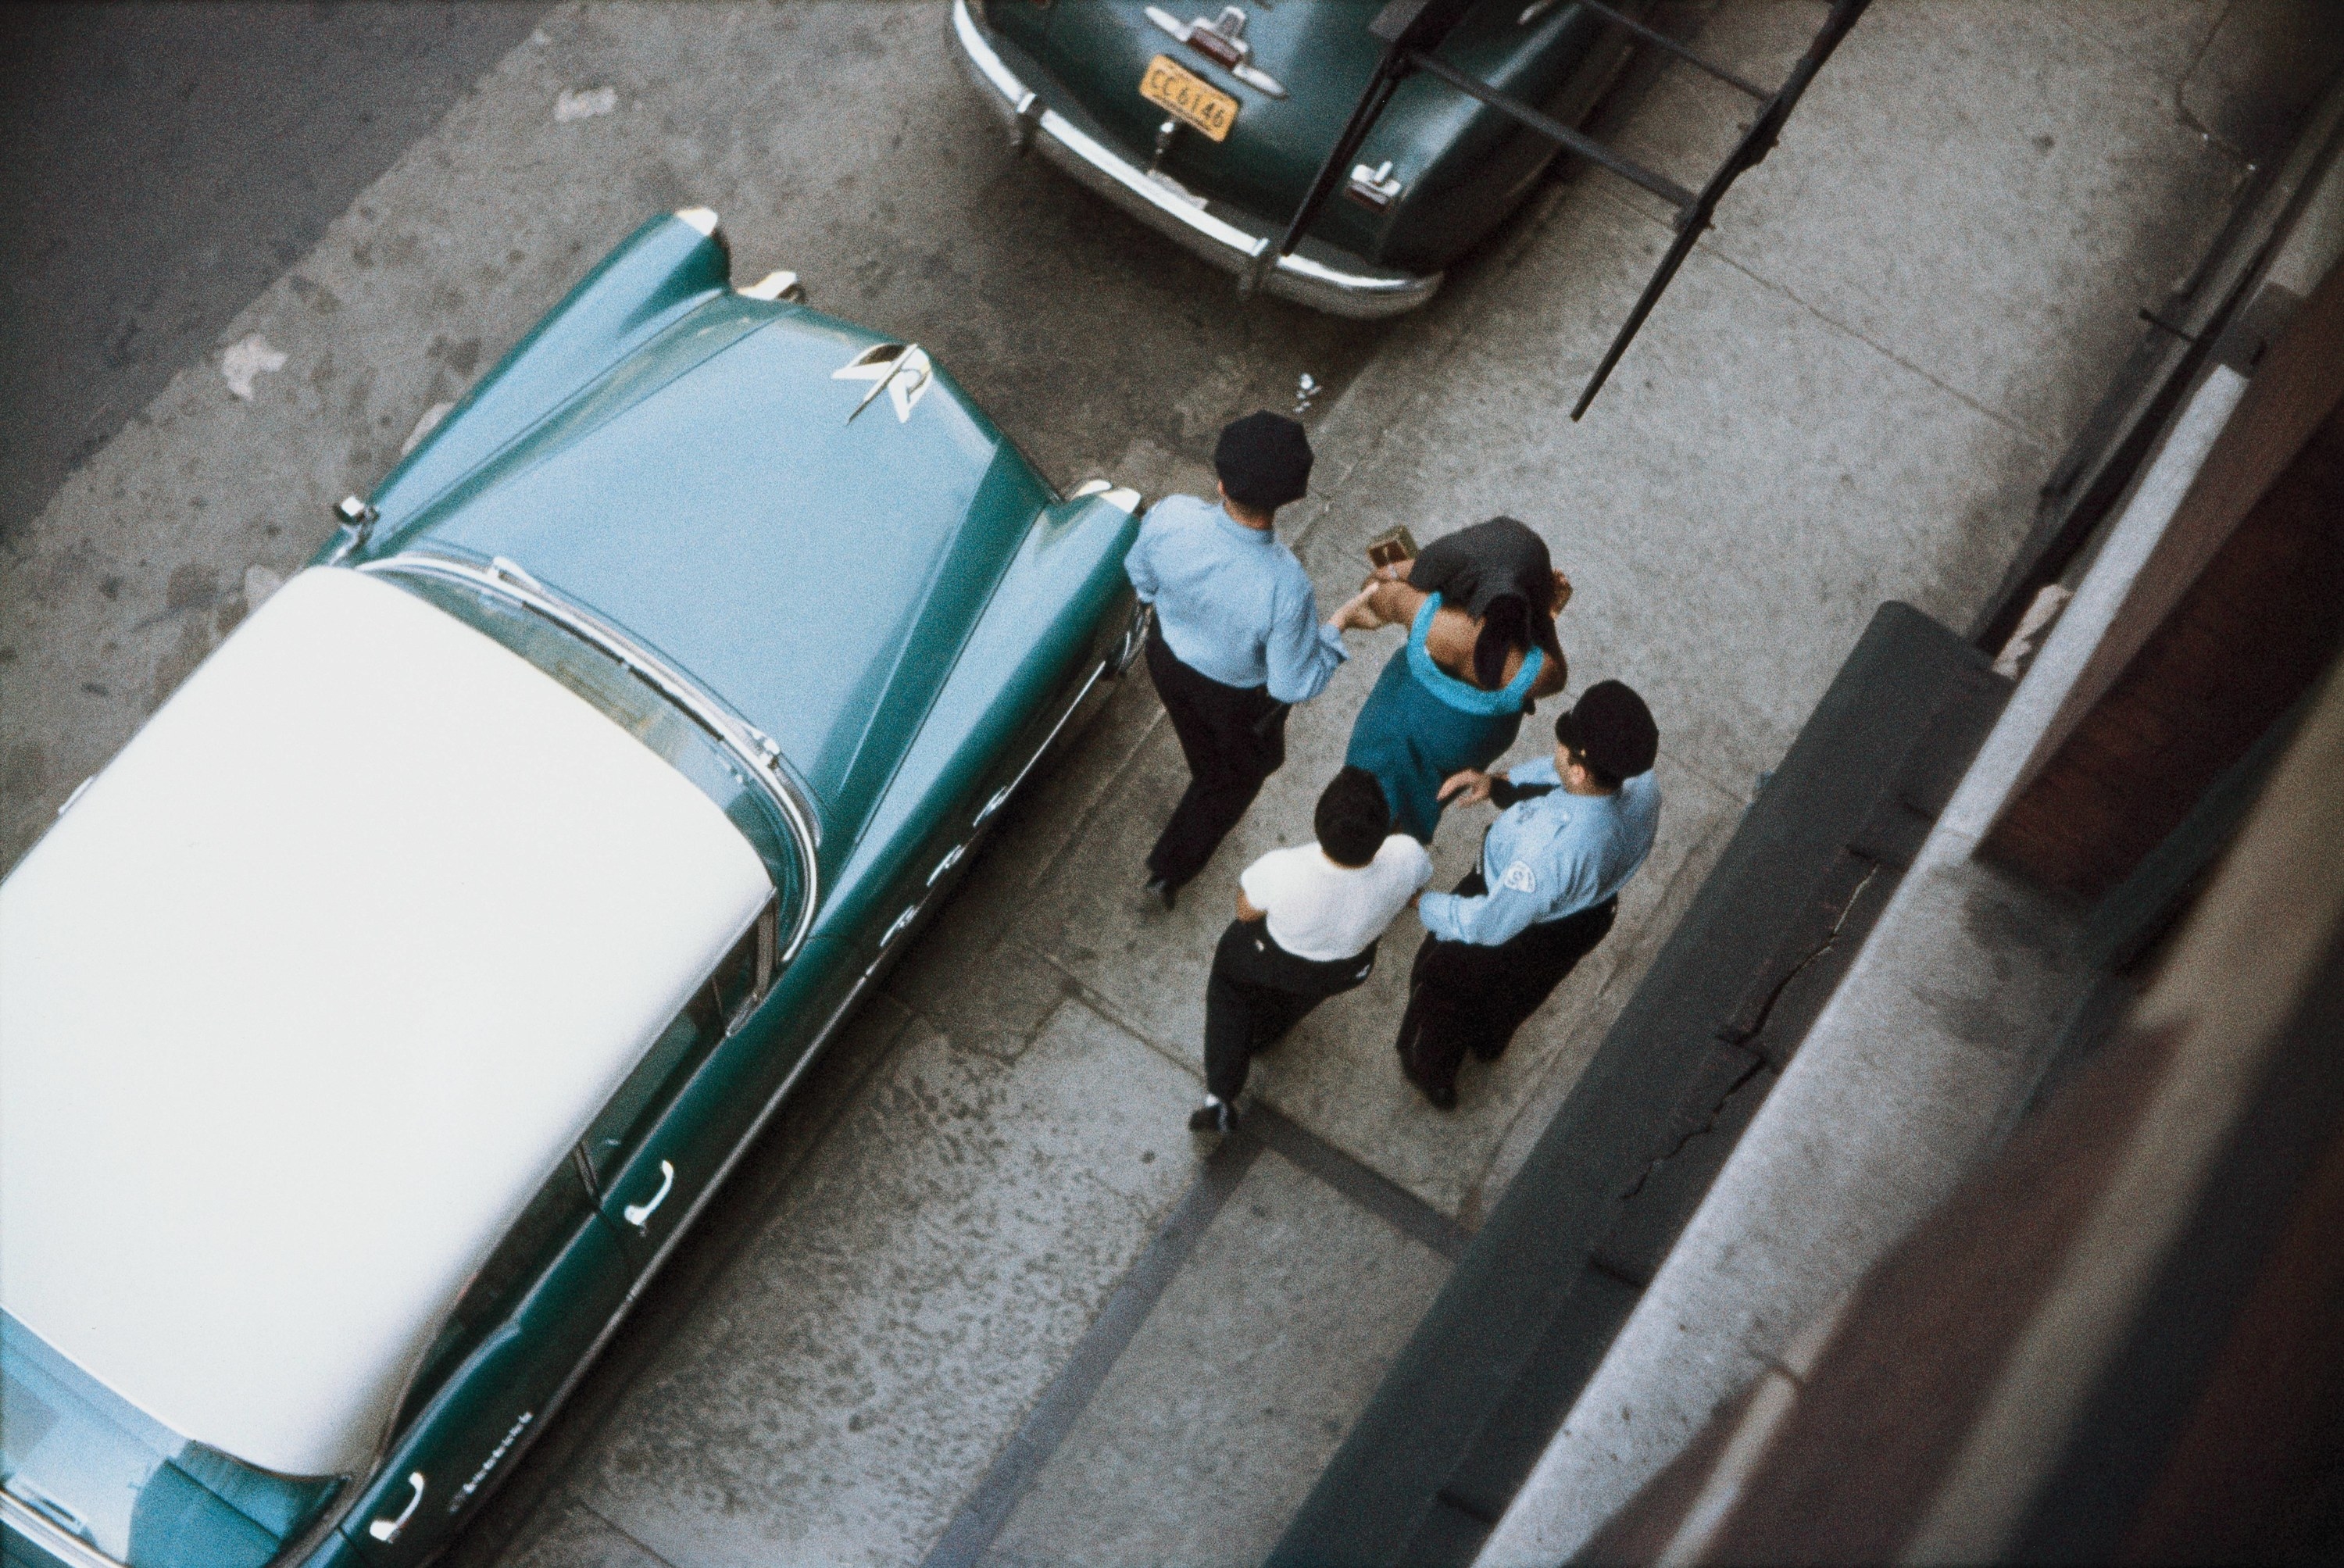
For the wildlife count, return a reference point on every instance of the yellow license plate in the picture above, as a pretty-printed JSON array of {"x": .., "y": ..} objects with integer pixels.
[{"x": 1193, "y": 100}]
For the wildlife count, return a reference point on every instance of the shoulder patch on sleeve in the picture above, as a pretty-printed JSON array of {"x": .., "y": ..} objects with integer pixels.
[{"x": 1520, "y": 877}]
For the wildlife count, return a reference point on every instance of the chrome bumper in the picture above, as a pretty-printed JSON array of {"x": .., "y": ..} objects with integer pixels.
[{"x": 1365, "y": 293}]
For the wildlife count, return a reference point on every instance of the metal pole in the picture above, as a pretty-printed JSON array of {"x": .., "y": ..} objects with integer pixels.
[
  {"x": 1403, "y": 26},
  {"x": 1586, "y": 147},
  {"x": 1388, "y": 71},
  {"x": 1755, "y": 143},
  {"x": 1661, "y": 40}
]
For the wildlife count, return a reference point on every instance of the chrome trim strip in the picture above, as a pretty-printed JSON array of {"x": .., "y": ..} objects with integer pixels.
[
  {"x": 1122, "y": 497},
  {"x": 50, "y": 1537},
  {"x": 1001, "y": 797},
  {"x": 1135, "y": 638},
  {"x": 750, "y": 747},
  {"x": 1220, "y": 241}
]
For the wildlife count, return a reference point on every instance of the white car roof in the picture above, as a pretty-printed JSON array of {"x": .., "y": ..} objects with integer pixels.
[{"x": 311, "y": 990}]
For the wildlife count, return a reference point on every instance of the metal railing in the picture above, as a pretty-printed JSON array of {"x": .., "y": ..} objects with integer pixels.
[{"x": 1412, "y": 31}]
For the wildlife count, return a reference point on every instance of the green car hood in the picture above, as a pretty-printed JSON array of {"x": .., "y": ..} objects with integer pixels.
[{"x": 710, "y": 493}]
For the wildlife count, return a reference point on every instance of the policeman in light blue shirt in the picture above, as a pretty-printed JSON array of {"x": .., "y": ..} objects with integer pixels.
[
  {"x": 1573, "y": 831},
  {"x": 1237, "y": 636}
]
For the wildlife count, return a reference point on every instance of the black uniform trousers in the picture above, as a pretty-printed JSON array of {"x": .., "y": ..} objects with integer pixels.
[
  {"x": 1233, "y": 738},
  {"x": 1258, "y": 992},
  {"x": 1464, "y": 997}
]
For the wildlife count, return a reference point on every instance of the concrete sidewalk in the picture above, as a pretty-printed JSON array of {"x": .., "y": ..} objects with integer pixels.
[{"x": 979, "y": 1293}]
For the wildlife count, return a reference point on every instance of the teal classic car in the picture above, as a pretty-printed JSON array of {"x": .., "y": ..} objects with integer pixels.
[
  {"x": 1210, "y": 121},
  {"x": 377, "y": 1020}
]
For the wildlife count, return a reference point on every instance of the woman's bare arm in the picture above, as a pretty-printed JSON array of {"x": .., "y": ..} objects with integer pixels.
[
  {"x": 1553, "y": 677},
  {"x": 1393, "y": 603}
]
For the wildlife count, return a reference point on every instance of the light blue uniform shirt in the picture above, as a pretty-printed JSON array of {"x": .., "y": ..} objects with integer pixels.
[
  {"x": 1550, "y": 856},
  {"x": 1231, "y": 601}
]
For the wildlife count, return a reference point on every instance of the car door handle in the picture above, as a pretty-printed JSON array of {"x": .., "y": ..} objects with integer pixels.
[
  {"x": 1000, "y": 798},
  {"x": 387, "y": 1530},
  {"x": 636, "y": 1213},
  {"x": 947, "y": 863},
  {"x": 897, "y": 929}
]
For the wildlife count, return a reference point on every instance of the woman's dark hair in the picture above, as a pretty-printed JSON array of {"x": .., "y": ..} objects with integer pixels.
[
  {"x": 1353, "y": 818},
  {"x": 1505, "y": 629},
  {"x": 1567, "y": 735}
]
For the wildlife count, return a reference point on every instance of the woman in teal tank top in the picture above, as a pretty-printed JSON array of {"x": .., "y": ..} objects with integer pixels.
[{"x": 1422, "y": 723}]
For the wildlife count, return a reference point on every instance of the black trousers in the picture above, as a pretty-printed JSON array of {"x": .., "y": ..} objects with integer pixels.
[
  {"x": 1462, "y": 996},
  {"x": 1258, "y": 991},
  {"x": 1233, "y": 738}
]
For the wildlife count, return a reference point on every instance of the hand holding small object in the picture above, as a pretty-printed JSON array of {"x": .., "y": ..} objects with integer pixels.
[{"x": 1359, "y": 611}]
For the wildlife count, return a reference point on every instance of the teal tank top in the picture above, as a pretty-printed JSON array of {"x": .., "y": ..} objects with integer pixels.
[{"x": 1420, "y": 724}]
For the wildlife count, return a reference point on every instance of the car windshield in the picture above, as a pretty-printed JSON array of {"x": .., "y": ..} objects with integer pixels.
[
  {"x": 111, "y": 1476},
  {"x": 622, "y": 697}
]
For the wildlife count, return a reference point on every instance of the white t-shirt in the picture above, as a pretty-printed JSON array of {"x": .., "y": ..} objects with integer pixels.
[{"x": 1322, "y": 911}]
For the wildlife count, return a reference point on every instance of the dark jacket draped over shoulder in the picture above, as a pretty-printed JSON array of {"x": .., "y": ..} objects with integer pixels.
[{"x": 1474, "y": 565}]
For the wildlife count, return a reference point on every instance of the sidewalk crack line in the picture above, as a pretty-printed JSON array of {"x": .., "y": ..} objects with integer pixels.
[
  {"x": 989, "y": 1506},
  {"x": 1718, "y": 254},
  {"x": 1360, "y": 1183},
  {"x": 625, "y": 1535},
  {"x": 1758, "y": 1061}
]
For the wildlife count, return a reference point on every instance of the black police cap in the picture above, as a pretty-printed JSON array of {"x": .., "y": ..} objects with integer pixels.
[
  {"x": 1264, "y": 460},
  {"x": 1616, "y": 733}
]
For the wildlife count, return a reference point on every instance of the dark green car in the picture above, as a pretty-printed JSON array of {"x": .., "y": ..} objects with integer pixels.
[
  {"x": 1208, "y": 121},
  {"x": 380, "y": 1015}
]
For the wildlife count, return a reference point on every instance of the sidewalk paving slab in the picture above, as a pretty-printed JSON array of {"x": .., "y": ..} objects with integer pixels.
[
  {"x": 573, "y": 1537},
  {"x": 1336, "y": 1074},
  {"x": 1985, "y": 189},
  {"x": 1243, "y": 1379}
]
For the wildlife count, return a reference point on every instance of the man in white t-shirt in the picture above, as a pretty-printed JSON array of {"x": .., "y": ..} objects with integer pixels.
[{"x": 1308, "y": 920}]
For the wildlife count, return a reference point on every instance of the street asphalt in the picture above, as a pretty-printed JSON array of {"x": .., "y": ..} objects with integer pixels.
[
  {"x": 165, "y": 162},
  {"x": 977, "y": 1295}
]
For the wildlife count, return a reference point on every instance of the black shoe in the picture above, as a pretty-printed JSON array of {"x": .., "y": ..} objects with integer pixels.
[
  {"x": 1219, "y": 1117},
  {"x": 1490, "y": 1050},
  {"x": 1442, "y": 1095},
  {"x": 1163, "y": 891}
]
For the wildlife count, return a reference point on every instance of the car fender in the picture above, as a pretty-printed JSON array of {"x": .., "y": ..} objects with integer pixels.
[
  {"x": 663, "y": 270},
  {"x": 1051, "y": 619}
]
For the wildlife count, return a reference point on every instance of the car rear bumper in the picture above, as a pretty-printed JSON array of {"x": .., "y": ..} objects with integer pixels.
[{"x": 1345, "y": 287}]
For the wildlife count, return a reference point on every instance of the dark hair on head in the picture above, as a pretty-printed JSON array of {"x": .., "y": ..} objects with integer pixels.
[
  {"x": 1505, "y": 629},
  {"x": 1567, "y": 735},
  {"x": 1353, "y": 818}
]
